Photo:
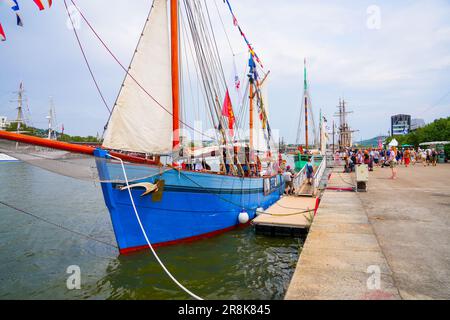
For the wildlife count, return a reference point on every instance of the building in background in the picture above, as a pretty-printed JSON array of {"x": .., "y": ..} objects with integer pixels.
[
  {"x": 400, "y": 124},
  {"x": 3, "y": 122},
  {"x": 417, "y": 123}
]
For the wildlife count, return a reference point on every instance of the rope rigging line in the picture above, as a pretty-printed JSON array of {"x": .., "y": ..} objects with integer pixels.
[
  {"x": 199, "y": 76},
  {"x": 86, "y": 59},
  {"x": 234, "y": 63},
  {"x": 57, "y": 225},
  {"x": 209, "y": 65}
]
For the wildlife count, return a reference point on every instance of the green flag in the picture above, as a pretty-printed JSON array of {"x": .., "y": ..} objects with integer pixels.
[{"x": 306, "y": 83}]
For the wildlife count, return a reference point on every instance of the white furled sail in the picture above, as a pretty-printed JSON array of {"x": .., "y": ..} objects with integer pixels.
[{"x": 139, "y": 123}]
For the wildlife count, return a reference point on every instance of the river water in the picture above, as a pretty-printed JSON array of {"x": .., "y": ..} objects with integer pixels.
[{"x": 34, "y": 255}]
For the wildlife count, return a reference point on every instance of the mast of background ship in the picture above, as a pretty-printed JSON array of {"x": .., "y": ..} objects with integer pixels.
[
  {"x": 306, "y": 105},
  {"x": 19, "y": 119},
  {"x": 51, "y": 121},
  {"x": 175, "y": 72}
]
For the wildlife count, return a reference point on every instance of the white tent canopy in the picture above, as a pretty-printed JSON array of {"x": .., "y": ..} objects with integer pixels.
[{"x": 393, "y": 143}]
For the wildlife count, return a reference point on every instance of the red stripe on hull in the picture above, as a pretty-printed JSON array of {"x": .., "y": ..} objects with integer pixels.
[{"x": 184, "y": 240}]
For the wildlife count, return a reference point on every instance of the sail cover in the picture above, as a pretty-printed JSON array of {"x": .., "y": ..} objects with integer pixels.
[{"x": 138, "y": 122}]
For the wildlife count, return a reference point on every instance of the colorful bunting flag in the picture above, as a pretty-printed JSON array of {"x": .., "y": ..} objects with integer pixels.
[
  {"x": 14, "y": 5},
  {"x": 237, "y": 82},
  {"x": 2, "y": 33},
  {"x": 19, "y": 20},
  {"x": 39, "y": 4},
  {"x": 236, "y": 24}
]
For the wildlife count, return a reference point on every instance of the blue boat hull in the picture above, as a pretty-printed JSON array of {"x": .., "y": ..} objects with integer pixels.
[{"x": 191, "y": 205}]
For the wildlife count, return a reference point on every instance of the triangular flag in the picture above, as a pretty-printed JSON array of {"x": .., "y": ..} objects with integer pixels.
[
  {"x": 2, "y": 33},
  {"x": 14, "y": 5},
  {"x": 39, "y": 4},
  {"x": 19, "y": 20},
  {"x": 49, "y": 3}
]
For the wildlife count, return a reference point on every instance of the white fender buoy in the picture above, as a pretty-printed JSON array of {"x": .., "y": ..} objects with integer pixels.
[
  {"x": 259, "y": 211},
  {"x": 243, "y": 217}
]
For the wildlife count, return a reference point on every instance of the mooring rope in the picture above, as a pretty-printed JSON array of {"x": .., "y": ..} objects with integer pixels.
[{"x": 146, "y": 237}]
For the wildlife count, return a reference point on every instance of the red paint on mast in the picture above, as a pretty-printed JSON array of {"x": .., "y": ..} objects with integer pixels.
[{"x": 175, "y": 72}]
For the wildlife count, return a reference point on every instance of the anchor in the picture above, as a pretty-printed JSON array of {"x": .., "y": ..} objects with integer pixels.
[{"x": 149, "y": 187}]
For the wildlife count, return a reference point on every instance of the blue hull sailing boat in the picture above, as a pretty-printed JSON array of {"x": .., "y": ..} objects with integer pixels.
[
  {"x": 188, "y": 204},
  {"x": 171, "y": 201},
  {"x": 192, "y": 205}
]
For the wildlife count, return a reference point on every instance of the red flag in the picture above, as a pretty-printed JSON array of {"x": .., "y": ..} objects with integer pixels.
[
  {"x": 39, "y": 4},
  {"x": 227, "y": 110},
  {"x": 50, "y": 3},
  {"x": 2, "y": 33}
]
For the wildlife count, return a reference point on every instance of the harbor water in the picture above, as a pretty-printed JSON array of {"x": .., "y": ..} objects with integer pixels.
[{"x": 35, "y": 255}]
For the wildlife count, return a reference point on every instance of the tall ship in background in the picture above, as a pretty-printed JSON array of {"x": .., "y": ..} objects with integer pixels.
[
  {"x": 19, "y": 122},
  {"x": 309, "y": 151}
]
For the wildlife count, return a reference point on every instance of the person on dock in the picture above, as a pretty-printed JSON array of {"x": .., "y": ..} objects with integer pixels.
[
  {"x": 399, "y": 156},
  {"x": 407, "y": 157},
  {"x": 428, "y": 157},
  {"x": 288, "y": 177},
  {"x": 376, "y": 157},
  {"x": 413, "y": 156},
  {"x": 348, "y": 164},
  {"x": 393, "y": 162},
  {"x": 309, "y": 171},
  {"x": 337, "y": 158},
  {"x": 434, "y": 156}
]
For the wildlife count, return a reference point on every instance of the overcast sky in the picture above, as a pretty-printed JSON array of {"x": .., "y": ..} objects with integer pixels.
[{"x": 383, "y": 57}]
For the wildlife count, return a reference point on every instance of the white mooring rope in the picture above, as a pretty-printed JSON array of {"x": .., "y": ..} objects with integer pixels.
[{"x": 146, "y": 238}]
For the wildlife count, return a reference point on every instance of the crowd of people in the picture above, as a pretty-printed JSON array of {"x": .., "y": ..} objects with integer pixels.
[{"x": 392, "y": 157}]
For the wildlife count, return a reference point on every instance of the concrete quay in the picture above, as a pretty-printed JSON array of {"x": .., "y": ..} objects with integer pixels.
[{"x": 392, "y": 242}]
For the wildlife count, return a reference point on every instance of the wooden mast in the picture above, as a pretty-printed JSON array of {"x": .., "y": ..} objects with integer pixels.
[{"x": 175, "y": 72}]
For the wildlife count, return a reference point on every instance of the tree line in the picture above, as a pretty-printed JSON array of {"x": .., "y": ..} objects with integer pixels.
[{"x": 439, "y": 130}]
